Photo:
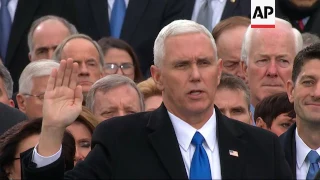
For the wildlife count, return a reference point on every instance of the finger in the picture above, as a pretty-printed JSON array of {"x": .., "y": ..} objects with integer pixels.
[
  {"x": 52, "y": 80},
  {"x": 60, "y": 75},
  {"x": 67, "y": 73},
  {"x": 78, "y": 97},
  {"x": 74, "y": 76}
]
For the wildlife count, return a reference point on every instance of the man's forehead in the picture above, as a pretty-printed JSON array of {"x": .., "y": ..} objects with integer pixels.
[{"x": 309, "y": 70}]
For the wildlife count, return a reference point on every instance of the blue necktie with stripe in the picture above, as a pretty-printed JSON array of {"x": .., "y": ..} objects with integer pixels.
[
  {"x": 313, "y": 158},
  {"x": 200, "y": 165},
  {"x": 117, "y": 17},
  {"x": 5, "y": 28}
]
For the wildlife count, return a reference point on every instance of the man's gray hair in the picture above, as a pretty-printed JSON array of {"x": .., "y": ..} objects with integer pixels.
[
  {"x": 58, "y": 52},
  {"x": 7, "y": 80},
  {"x": 246, "y": 43},
  {"x": 72, "y": 29},
  {"x": 109, "y": 82},
  {"x": 309, "y": 39},
  {"x": 178, "y": 27},
  {"x": 34, "y": 69}
]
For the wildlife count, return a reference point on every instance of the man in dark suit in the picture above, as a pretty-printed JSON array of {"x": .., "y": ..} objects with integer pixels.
[
  {"x": 16, "y": 56},
  {"x": 306, "y": 16},
  {"x": 9, "y": 117},
  {"x": 220, "y": 10},
  {"x": 142, "y": 22},
  {"x": 187, "y": 137},
  {"x": 301, "y": 141}
]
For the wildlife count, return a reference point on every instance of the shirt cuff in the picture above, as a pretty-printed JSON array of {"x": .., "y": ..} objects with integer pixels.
[{"x": 42, "y": 161}]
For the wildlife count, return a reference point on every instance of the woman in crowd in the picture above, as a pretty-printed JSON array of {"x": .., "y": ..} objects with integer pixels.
[
  {"x": 152, "y": 95},
  {"x": 120, "y": 58},
  {"x": 82, "y": 130},
  {"x": 20, "y": 138},
  {"x": 275, "y": 113}
]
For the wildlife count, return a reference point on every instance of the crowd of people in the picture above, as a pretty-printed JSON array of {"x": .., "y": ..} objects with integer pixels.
[{"x": 147, "y": 89}]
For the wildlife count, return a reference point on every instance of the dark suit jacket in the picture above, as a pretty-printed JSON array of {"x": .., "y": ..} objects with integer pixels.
[
  {"x": 9, "y": 117},
  {"x": 236, "y": 8},
  {"x": 312, "y": 25},
  {"x": 27, "y": 11},
  {"x": 288, "y": 142},
  {"x": 144, "y": 146},
  {"x": 143, "y": 21}
]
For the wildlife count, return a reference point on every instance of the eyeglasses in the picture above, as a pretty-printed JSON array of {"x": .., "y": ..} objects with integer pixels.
[
  {"x": 40, "y": 96},
  {"x": 112, "y": 68}
]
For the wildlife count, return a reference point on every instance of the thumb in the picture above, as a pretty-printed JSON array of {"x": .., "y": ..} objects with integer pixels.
[{"x": 78, "y": 97}]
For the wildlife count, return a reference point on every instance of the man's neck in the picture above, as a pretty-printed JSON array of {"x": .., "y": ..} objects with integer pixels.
[
  {"x": 309, "y": 133},
  {"x": 196, "y": 120}
]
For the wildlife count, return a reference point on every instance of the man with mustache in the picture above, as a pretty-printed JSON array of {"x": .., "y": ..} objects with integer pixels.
[
  {"x": 267, "y": 57},
  {"x": 301, "y": 141},
  {"x": 87, "y": 53}
]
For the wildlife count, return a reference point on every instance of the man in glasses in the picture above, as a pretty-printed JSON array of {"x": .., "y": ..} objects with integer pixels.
[{"x": 32, "y": 85}]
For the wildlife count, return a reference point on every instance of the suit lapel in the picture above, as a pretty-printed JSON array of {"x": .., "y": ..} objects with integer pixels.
[
  {"x": 165, "y": 143},
  {"x": 134, "y": 13},
  {"x": 22, "y": 19},
  {"x": 231, "y": 148},
  {"x": 229, "y": 8},
  {"x": 289, "y": 147},
  {"x": 101, "y": 16}
]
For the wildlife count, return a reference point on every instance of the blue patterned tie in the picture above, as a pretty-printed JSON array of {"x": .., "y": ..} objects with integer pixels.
[
  {"x": 5, "y": 28},
  {"x": 313, "y": 158},
  {"x": 117, "y": 17},
  {"x": 200, "y": 166}
]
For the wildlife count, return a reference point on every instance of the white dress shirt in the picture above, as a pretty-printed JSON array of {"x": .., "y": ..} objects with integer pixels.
[
  {"x": 110, "y": 5},
  {"x": 303, "y": 164},
  {"x": 185, "y": 133},
  {"x": 217, "y": 8},
  {"x": 12, "y": 6}
]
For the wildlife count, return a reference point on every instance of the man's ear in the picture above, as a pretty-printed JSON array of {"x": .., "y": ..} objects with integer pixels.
[
  {"x": 29, "y": 55},
  {"x": 244, "y": 68},
  {"x": 261, "y": 123},
  {"x": 156, "y": 75},
  {"x": 21, "y": 100},
  {"x": 11, "y": 103},
  {"x": 290, "y": 90},
  {"x": 219, "y": 70}
]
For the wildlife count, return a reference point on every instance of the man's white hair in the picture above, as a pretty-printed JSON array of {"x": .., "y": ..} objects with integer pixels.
[
  {"x": 175, "y": 28},
  {"x": 110, "y": 82},
  {"x": 247, "y": 40},
  {"x": 34, "y": 69}
]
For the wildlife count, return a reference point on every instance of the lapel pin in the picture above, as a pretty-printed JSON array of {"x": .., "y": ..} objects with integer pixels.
[
  {"x": 233, "y": 1},
  {"x": 233, "y": 153}
]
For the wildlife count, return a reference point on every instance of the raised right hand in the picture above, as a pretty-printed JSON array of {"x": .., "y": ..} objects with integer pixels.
[
  {"x": 63, "y": 98},
  {"x": 62, "y": 105}
]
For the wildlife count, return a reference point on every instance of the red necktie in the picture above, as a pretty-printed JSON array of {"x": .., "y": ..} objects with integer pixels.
[{"x": 301, "y": 25}]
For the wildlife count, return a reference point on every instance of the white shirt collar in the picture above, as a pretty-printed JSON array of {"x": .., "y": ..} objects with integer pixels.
[
  {"x": 302, "y": 150},
  {"x": 185, "y": 131}
]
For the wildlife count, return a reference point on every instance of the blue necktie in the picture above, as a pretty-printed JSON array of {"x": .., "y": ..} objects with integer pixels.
[
  {"x": 200, "y": 166},
  {"x": 313, "y": 158},
  {"x": 5, "y": 28},
  {"x": 117, "y": 17}
]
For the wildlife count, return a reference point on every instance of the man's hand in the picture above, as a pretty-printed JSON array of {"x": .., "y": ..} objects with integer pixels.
[{"x": 61, "y": 106}]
